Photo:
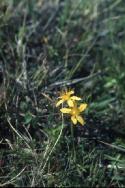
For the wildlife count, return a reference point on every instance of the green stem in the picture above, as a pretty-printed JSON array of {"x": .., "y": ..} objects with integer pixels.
[
  {"x": 54, "y": 146},
  {"x": 72, "y": 135}
]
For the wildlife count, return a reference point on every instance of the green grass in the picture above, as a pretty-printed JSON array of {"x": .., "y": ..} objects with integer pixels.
[{"x": 46, "y": 46}]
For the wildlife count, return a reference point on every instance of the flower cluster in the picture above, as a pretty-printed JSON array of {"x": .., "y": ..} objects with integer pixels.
[{"x": 73, "y": 109}]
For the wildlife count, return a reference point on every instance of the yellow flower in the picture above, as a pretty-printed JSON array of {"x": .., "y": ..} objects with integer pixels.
[
  {"x": 66, "y": 96},
  {"x": 75, "y": 113}
]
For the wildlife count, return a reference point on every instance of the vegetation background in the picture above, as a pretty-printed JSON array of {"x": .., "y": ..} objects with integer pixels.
[{"x": 44, "y": 46}]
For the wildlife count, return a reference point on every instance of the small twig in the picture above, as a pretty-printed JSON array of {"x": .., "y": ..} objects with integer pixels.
[
  {"x": 8, "y": 120},
  {"x": 74, "y": 81},
  {"x": 47, "y": 97},
  {"x": 13, "y": 179},
  {"x": 112, "y": 146}
]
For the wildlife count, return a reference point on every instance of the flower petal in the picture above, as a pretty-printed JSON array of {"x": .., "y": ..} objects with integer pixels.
[
  {"x": 80, "y": 119},
  {"x": 60, "y": 97},
  {"x": 82, "y": 107},
  {"x": 70, "y": 92},
  {"x": 70, "y": 103},
  {"x": 75, "y": 98},
  {"x": 65, "y": 110},
  {"x": 59, "y": 102},
  {"x": 74, "y": 120}
]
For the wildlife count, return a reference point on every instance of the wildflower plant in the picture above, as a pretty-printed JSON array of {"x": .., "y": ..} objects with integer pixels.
[{"x": 73, "y": 109}]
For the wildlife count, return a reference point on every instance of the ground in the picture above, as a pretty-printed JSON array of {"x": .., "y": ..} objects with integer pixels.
[{"x": 47, "y": 46}]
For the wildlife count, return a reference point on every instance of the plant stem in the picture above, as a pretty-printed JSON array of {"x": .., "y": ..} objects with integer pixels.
[{"x": 72, "y": 135}]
